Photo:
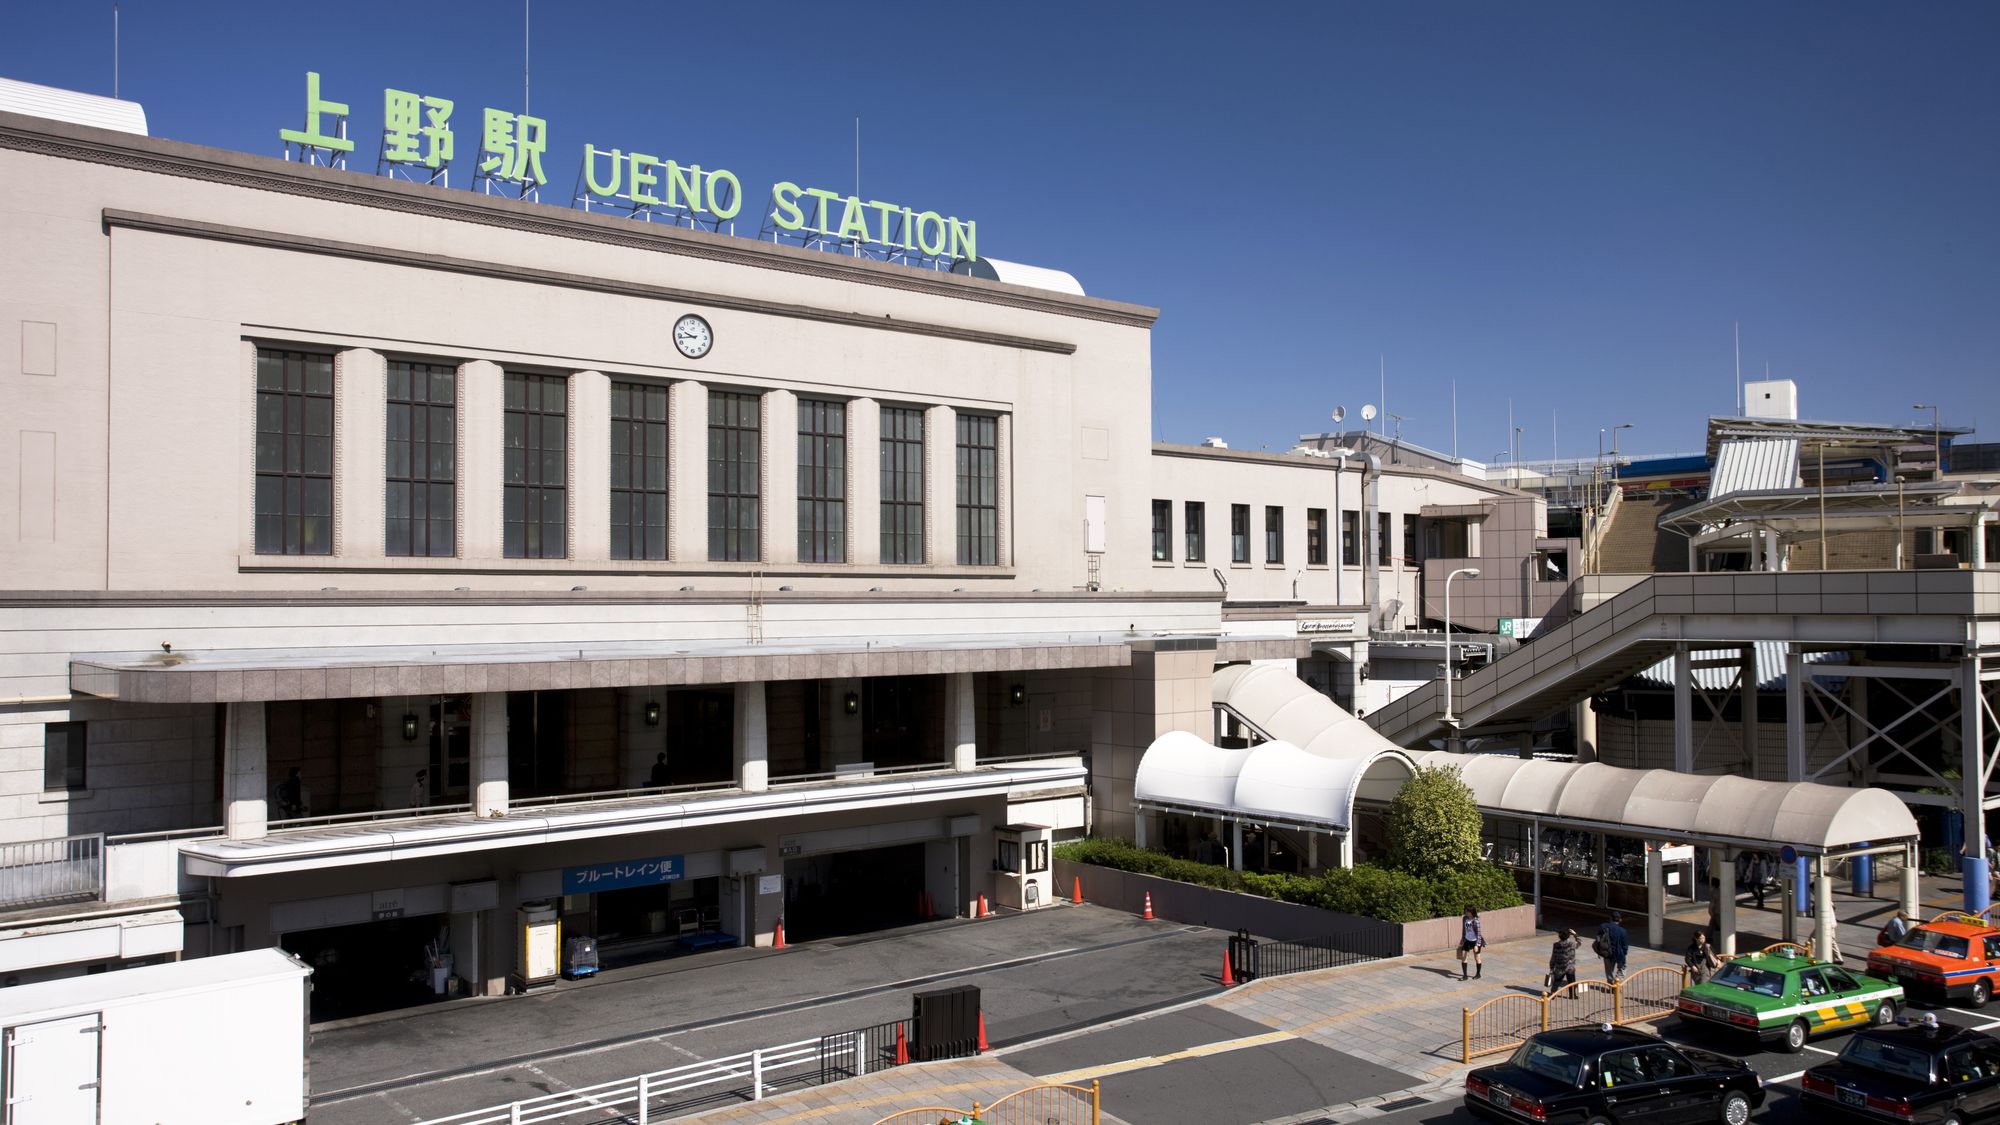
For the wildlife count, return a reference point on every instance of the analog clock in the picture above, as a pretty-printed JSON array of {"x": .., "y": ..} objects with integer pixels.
[{"x": 693, "y": 336}]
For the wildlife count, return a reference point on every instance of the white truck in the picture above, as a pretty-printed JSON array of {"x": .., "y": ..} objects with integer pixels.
[{"x": 212, "y": 1041}]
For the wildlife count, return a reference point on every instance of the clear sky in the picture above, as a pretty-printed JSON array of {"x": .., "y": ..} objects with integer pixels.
[{"x": 1567, "y": 205}]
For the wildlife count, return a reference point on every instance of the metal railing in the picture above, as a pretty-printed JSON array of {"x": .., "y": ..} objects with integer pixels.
[
  {"x": 1504, "y": 1022},
  {"x": 1250, "y": 958},
  {"x": 1036, "y": 1105},
  {"x": 661, "y": 1092},
  {"x": 865, "y": 1050},
  {"x": 63, "y": 869}
]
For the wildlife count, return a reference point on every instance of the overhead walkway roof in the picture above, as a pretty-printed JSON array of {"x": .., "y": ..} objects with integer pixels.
[
  {"x": 1284, "y": 708},
  {"x": 1710, "y": 808},
  {"x": 1272, "y": 782}
]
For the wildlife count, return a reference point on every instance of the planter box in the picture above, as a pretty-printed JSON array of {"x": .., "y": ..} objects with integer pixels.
[{"x": 1281, "y": 921}]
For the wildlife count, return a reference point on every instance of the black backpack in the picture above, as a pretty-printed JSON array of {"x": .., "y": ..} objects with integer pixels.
[{"x": 1600, "y": 946}]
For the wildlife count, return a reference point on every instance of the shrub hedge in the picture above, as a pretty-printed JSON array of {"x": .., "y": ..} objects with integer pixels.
[{"x": 1367, "y": 890}]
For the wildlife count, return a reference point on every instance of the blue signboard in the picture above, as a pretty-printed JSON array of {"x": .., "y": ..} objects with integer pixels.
[{"x": 626, "y": 873}]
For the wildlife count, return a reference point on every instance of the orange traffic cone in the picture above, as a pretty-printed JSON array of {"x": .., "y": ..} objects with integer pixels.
[
  {"x": 1149, "y": 906},
  {"x": 902, "y": 1047},
  {"x": 1076, "y": 892},
  {"x": 1228, "y": 977},
  {"x": 778, "y": 935},
  {"x": 983, "y": 913},
  {"x": 982, "y": 1032}
]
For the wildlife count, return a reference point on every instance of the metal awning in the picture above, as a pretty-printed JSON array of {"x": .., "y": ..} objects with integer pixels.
[
  {"x": 1914, "y": 501},
  {"x": 1272, "y": 782}
]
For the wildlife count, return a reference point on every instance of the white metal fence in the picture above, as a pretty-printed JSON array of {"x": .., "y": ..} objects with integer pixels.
[{"x": 65, "y": 869}]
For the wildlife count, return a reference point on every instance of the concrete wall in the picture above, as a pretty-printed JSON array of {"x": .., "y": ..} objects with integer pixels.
[{"x": 1169, "y": 686}]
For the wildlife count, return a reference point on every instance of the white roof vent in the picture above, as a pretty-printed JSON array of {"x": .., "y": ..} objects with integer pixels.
[
  {"x": 1215, "y": 443},
  {"x": 1014, "y": 273},
  {"x": 67, "y": 105}
]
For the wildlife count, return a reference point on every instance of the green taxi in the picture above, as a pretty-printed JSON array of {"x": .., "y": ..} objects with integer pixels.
[{"x": 1781, "y": 995}]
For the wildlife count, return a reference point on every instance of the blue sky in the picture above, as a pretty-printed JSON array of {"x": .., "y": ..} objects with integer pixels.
[{"x": 1567, "y": 205}]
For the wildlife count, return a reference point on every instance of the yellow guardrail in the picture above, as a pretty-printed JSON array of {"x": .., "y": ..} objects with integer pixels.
[
  {"x": 1052, "y": 1104},
  {"x": 1504, "y": 1022}
]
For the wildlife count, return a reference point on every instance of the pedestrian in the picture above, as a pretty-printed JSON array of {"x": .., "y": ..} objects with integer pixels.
[
  {"x": 1760, "y": 872},
  {"x": 1894, "y": 929},
  {"x": 1470, "y": 941},
  {"x": 1612, "y": 944},
  {"x": 1562, "y": 961},
  {"x": 291, "y": 796},
  {"x": 659, "y": 774},
  {"x": 420, "y": 789},
  {"x": 1700, "y": 959}
]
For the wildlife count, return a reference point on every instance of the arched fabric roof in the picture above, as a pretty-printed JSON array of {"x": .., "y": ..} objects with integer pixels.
[
  {"x": 1809, "y": 816},
  {"x": 1273, "y": 781},
  {"x": 1289, "y": 710}
]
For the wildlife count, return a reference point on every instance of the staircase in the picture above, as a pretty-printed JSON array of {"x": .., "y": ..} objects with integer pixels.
[{"x": 1633, "y": 543}]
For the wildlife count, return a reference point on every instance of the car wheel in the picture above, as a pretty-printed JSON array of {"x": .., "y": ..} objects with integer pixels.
[
  {"x": 1598, "y": 1120},
  {"x": 1795, "y": 1037},
  {"x": 1885, "y": 1013},
  {"x": 1735, "y": 1108},
  {"x": 1982, "y": 991},
  {"x": 1952, "y": 1118}
]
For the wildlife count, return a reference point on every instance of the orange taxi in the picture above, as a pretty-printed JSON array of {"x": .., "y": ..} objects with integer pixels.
[{"x": 1954, "y": 956}]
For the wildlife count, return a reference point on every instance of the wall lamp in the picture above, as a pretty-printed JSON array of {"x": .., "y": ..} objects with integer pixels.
[
  {"x": 652, "y": 712},
  {"x": 851, "y": 703},
  {"x": 1016, "y": 695},
  {"x": 409, "y": 726}
]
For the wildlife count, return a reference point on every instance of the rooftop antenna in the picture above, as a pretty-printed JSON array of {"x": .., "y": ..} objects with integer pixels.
[
  {"x": 1382, "y": 373},
  {"x": 1399, "y": 420},
  {"x": 1555, "y": 453},
  {"x": 525, "y": 4},
  {"x": 1454, "y": 419},
  {"x": 1739, "y": 369},
  {"x": 857, "y": 156},
  {"x": 114, "y": 50}
]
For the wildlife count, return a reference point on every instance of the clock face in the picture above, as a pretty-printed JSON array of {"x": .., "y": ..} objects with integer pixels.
[{"x": 693, "y": 336}]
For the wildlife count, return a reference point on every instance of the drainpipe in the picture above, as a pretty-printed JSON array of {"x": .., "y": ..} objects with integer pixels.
[{"x": 1371, "y": 573}]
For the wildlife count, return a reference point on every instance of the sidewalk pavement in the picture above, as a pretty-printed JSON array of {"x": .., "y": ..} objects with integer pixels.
[{"x": 1404, "y": 1013}]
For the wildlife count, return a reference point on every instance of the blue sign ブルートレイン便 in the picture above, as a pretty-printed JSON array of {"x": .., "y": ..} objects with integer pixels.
[{"x": 622, "y": 874}]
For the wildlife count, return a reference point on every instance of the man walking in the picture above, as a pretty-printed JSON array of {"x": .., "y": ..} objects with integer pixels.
[{"x": 1612, "y": 944}]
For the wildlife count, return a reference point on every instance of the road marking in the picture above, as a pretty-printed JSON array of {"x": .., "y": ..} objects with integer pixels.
[
  {"x": 1821, "y": 1050},
  {"x": 1784, "y": 1078},
  {"x": 1221, "y": 1046},
  {"x": 1970, "y": 1015}
]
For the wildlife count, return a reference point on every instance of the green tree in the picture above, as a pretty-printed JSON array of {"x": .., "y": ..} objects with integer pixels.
[{"x": 1434, "y": 824}]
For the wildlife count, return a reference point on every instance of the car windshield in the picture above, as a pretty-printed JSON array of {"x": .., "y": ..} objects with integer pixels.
[
  {"x": 1935, "y": 941},
  {"x": 1550, "y": 1062},
  {"x": 1763, "y": 982},
  {"x": 1887, "y": 1057}
]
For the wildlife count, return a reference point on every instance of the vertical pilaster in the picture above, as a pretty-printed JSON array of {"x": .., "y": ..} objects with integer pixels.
[
  {"x": 590, "y": 465},
  {"x": 864, "y": 481},
  {"x": 1909, "y": 891},
  {"x": 1723, "y": 870},
  {"x": 246, "y": 810},
  {"x": 1972, "y": 793},
  {"x": 489, "y": 753},
  {"x": 687, "y": 472},
  {"x": 1586, "y": 730},
  {"x": 1795, "y": 714},
  {"x": 1236, "y": 844},
  {"x": 1683, "y": 710},
  {"x": 1746, "y": 707},
  {"x": 1823, "y": 911},
  {"x": 964, "y": 728},
  {"x": 1656, "y": 896},
  {"x": 753, "y": 742},
  {"x": 941, "y": 485},
  {"x": 481, "y": 491},
  {"x": 361, "y": 408},
  {"x": 780, "y": 491}
]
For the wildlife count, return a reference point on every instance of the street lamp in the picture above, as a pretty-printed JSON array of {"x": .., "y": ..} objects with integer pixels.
[
  {"x": 1937, "y": 443},
  {"x": 1471, "y": 571}
]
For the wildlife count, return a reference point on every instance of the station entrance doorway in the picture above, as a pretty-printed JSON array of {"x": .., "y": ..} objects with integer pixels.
[
  {"x": 367, "y": 967},
  {"x": 854, "y": 892}
]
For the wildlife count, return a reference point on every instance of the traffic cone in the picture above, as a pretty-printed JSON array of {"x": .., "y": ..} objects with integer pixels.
[
  {"x": 1076, "y": 892},
  {"x": 982, "y": 1032},
  {"x": 778, "y": 935},
  {"x": 902, "y": 1047},
  {"x": 1149, "y": 906},
  {"x": 982, "y": 907},
  {"x": 929, "y": 911},
  {"x": 1228, "y": 977}
]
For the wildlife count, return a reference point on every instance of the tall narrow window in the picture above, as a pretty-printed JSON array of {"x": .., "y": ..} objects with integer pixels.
[
  {"x": 535, "y": 508},
  {"x": 822, "y": 481},
  {"x": 1163, "y": 531},
  {"x": 735, "y": 437},
  {"x": 978, "y": 490},
  {"x": 638, "y": 471},
  {"x": 1239, "y": 533},
  {"x": 902, "y": 456},
  {"x": 64, "y": 758},
  {"x": 1315, "y": 536},
  {"x": 1194, "y": 518},
  {"x": 1383, "y": 554},
  {"x": 1410, "y": 557},
  {"x": 1350, "y": 534},
  {"x": 294, "y": 502},
  {"x": 1274, "y": 534},
  {"x": 420, "y": 506}
]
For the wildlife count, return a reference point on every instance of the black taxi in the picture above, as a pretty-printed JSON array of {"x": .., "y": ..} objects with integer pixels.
[
  {"x": 1928, "y": 1074},
  {"x": 1617, "y": 1074}
]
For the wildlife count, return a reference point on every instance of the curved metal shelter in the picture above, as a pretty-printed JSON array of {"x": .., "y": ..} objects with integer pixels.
[{"x": 1284, "y": 708}]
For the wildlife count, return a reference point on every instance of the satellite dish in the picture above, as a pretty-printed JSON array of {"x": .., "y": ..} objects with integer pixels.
[
  {"x": 1368, "y": 412},
  {"x": 1339, "y": 414}
]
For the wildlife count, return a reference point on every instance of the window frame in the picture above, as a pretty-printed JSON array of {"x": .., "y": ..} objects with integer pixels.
[
  {"x": 822, "y": 480},
  {"x": 1194, "y": 530},
  {"x": 76, "y": 756},
  {"x": 1163, "y": 531},
  {"x": 299, "y": 473},
  {"x": 535, "y": 460},
  {"x": 1350, "y": 537},
  {"x": 901, "y": 460},
  {"x": 420, "y": 472},
  {"x": 1412, "y": 553},
  {"x": 1384, "y": 524},
  {"x": 735, "y": 496},
  {"x": 633, "y": 491},
  {"x": 1274, "y": 534},
  {"x": 978, "y": 476},
  {"x": 1239, "y": 534},
  {"x": 1315, "y": 536}
]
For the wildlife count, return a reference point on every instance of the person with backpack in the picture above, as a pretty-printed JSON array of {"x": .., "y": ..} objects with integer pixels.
[
  {"x": 1700, "y": 960},
  {"x": 1612, "y": 943}
]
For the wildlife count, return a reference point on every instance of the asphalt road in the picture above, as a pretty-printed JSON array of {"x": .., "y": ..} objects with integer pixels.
[{"x": 1038, "y": 973}]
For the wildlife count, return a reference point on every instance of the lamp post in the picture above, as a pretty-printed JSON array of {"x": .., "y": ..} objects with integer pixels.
[
  {"x": 1473, "y": 571},
  {"x": 1937, "y": 438}
]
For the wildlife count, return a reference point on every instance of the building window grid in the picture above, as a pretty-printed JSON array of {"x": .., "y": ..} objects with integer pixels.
[
  {"x": 65, "y": 754},
  {"x": 822, "y": 481},
  {"x": 420, "y": 505},
  {"x": 639, "y": 463},
  {"x": 1350, "y": 534},
  {"x": 1194, "y": 518},
  {"x": 735, "y": 438},
  {"x": 1239, "y": 533},
  {"x": 1163, "y": 531},
  {"x": 535, "y": 507},
  {"x": 1315, "y": 536},
  {"x": 902, "y": 465},
  {"x": 294, "y": 474},
  {"x": 978, "y": 490},
  {"x": 1274, "y": 534}
]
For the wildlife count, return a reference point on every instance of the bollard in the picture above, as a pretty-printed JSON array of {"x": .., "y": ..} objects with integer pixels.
[
  {"x": 757, "y": 1075},
  {"x": 645, "y": 1093}
]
